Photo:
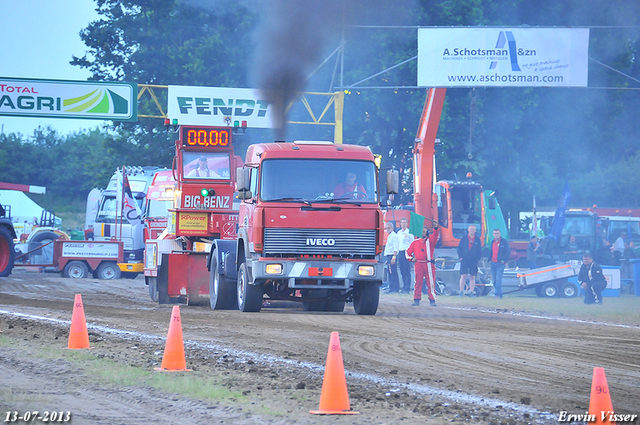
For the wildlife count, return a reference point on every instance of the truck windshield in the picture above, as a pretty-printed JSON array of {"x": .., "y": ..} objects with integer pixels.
[
  {"x": 206, "y": 165},
  {"x": 107, "y": 209},
  {"x": 312, "y": 180},
  {"x": 158, "y": 209},
  {"x": 631, "y": 228},
  {"x": 466, "y": 209}
]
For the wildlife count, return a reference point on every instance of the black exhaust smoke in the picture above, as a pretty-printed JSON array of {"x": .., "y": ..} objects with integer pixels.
[{"x": 290, "y": 42}]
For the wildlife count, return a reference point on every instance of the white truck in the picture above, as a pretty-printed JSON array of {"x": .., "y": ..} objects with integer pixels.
[{"x": 108, "y": 223}]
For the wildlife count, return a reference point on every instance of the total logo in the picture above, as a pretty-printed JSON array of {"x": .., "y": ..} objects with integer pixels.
[
  {"x": 208, "y": 202},
  {"x": 320, "y": 242}
]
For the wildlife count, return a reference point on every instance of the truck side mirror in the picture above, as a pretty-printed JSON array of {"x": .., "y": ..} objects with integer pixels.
[
  {"x": 243, "y": 179},
  {"x": 393, "y": 181},
  {"x": 243, "y": 183},
  {"x": 244, "y": 195}
]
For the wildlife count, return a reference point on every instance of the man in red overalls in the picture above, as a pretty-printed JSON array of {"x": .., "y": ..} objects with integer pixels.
[{"x": 421, "y": 251}]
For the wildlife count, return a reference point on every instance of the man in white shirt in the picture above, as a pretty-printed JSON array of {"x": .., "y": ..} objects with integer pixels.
[
  {"x": 390, "y": 255},
  {"x": 618, "y": 248},
  {"x": 405, "y": 238}
]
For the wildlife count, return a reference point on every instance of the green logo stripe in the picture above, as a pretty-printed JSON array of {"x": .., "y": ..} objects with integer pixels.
[
  {"x": 67, "y": 102},
  {"x": 102, "y": 107},
  {"x": 87, "y": 105},
  {"x": 120, "y": 104}
]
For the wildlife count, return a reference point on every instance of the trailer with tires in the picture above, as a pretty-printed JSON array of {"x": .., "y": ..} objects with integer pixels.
[
  {"x": 551, "y": 281},
  {"x": 77, "y": 259}
]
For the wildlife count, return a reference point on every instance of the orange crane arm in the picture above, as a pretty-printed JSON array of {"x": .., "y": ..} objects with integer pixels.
[{"x": 423, "y": 154}]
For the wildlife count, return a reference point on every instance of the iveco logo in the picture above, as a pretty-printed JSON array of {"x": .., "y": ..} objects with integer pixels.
[{"x": 319, "y": 242}]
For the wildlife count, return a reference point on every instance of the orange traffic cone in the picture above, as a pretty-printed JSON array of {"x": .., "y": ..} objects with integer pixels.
[
  {"x": 334, "y": 399},
  {"x": 600, "y": 402},
  {"x": 78, "y": 335},
  {"x": 173, "y": 359}
]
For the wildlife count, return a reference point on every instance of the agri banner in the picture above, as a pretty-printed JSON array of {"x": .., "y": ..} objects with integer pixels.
[
  {"x": 503, "y": 57},
  {"x": 68, "y": 99},
  {"x": 218, "y": 106}
]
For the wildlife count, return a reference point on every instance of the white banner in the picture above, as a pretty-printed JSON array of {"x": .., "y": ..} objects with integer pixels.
[
  {"x": 218, "y": 106},
  {"x": 497, "y": 57},
  {"x": 90, "y": 249},
  {"x": 68, "y": 99}
]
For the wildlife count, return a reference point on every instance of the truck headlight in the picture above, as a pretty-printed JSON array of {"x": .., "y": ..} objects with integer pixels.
[
  {"x": 273, "y": 269},
  {"x": 366, "y": 270}
]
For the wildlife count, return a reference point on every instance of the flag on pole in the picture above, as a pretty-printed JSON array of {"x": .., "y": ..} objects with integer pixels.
[
  {"x": 128, "y": 206},
  {"x": 416, "y": 223},
  {"x": 558, "y": 218},
  {"x": 534, "y": 219}
]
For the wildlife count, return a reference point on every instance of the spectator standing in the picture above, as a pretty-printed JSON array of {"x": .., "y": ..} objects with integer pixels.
[
  {"x": 499, "y": 253},
  {"x": 532, "y": 252},
  {"x": 421, "y": 251},
  {"x": 618, "y": 249},
  {"x": 391, "y": 250},
  {"x": 591, "y": 279},
  {"x": 405, "y": 238},
  {"x": 470, "y": 252}
]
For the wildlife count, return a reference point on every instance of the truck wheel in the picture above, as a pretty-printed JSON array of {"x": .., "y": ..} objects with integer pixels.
[
  {"x": 153, "y": 288},
  {"x": 7, "y": 252},
  {"x": 549, "y": 290},
  {"x": 569, "y": 290},
  {"x": 76, "y": 270},
  {"x": 315, "y": 305},
  {"x": 249, "y": 296},
  {"x": 221, "y": 290},
  {"x": 366, "y": 297},
  {"x": 108, "y": 270},
  {"x": 335, "y": 306},
  {"x": 486, "y": 289},
  {"x": 538, "y": 290}
]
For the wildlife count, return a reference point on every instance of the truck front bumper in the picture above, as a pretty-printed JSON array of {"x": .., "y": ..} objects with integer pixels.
[{"x": 301, "y": 274}]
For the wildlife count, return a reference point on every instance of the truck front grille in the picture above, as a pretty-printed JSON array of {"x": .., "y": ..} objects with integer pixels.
[{"x": 345, "y": 243}]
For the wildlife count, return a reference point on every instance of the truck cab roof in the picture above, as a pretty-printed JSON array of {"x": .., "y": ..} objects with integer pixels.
[{"x": 324, "y": 150}]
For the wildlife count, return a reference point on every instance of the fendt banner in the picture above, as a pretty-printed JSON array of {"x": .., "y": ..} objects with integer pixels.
[
  {"x": 217, "y": 106},
  {"x": 499, "y": 57},
  {"x": 68, "y": 99}
]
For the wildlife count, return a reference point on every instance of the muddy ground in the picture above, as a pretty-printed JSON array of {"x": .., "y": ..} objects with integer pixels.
[{"x": 410, "y": 365}]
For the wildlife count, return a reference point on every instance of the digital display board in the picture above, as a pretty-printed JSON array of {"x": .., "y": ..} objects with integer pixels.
[{"x": 205, "y": 137}]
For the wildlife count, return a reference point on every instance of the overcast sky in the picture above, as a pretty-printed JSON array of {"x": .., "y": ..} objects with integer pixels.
[{"x": 39, "y": 38}]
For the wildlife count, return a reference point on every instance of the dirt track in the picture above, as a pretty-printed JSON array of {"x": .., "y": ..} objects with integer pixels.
[{"x": 415, "y": 365}]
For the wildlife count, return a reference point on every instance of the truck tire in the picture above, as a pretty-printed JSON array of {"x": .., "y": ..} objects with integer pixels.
[
  {"x": 76, "y": 270},
  {"x": 549, "y": 290},
  {"x": 249, "y": 296},
  {"x": 366, "y": 297},
  {"x": 108, "y": 270},
  {"x": 152, "y": 282},
  {"x": 221, "y": 290},
  {"x": 315, "y": 305},
  {"x": 569, "y": 290},
  {"x": 7, "y": 253},
  {"x": 538, "y": 290},
  {"x": 335, "y": 306}
]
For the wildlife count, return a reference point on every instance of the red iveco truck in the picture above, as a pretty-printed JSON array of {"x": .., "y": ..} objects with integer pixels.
[{"x": 304, "y": 232}]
